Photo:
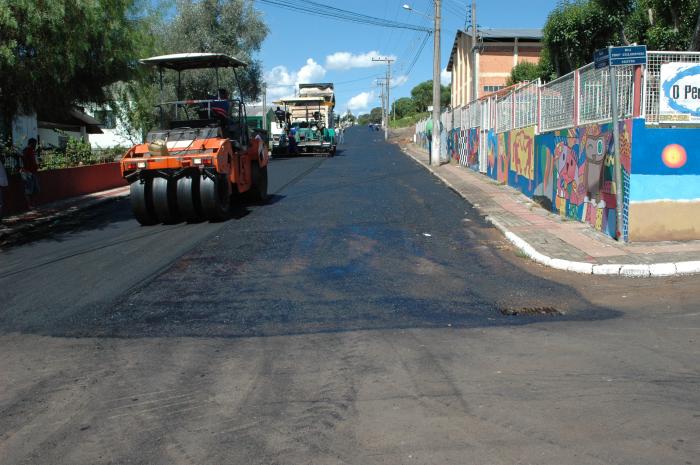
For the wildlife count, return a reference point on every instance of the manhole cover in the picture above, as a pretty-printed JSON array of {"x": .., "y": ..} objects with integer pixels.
[{"x": 530, "y": 311}]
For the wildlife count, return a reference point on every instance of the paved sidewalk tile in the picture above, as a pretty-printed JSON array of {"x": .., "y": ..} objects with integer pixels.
[{"x": 549, "y": 234}]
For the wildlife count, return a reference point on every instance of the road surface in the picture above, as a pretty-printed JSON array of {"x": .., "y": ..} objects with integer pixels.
[{"x": 363, "y": 316}]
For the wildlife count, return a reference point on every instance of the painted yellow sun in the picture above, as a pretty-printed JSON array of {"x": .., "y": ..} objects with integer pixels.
[{"x": 674, "y": 156}]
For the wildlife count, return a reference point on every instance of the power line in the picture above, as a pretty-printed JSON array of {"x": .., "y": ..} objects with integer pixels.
[{"x": 320, "y": 9}]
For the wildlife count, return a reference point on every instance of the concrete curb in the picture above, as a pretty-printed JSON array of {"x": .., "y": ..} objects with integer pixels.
[{"x": 640, "y": 270}]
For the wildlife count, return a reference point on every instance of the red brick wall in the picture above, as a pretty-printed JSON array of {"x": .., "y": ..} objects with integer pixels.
[{"x": 63, "y": 183}]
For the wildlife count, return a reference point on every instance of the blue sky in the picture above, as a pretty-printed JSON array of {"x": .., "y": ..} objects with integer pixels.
[{"x": 302, "y": 48}]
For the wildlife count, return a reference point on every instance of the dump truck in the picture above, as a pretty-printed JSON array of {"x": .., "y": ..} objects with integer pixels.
[
  {"x": 308, "y": 118},
  {"x": 203, "y": 155}
]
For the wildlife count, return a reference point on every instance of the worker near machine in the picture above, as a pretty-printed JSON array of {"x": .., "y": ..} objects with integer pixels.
[
  {"x": 280, "y": 115},
  {"x": 221, "y": 106},
  {"x": 292, "y": 139},
  {"x": 29, "y": 171}
]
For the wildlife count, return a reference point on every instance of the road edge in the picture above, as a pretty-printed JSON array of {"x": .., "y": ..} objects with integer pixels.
[{"x": 639, "y": 270}]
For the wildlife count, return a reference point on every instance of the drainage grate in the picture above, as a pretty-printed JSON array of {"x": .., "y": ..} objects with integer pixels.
[{"x": 530, "y": 311}]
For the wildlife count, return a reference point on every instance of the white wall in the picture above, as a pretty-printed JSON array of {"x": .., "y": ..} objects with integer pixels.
[{"x": 24, "y": 127}]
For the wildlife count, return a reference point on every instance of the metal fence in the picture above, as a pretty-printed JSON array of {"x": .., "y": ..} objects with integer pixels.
[
  {"x": 595, "y": 94},
  {"x": 504, "y": 113},
  {"x": 557, "y": 100},
  {"x": 525, "y": 105},
  {"x": 652, "y": 77},
  {"x": 580, "y": 97}
]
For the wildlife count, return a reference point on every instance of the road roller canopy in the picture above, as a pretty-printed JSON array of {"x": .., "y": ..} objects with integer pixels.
[{"x": 182, "y": 61}]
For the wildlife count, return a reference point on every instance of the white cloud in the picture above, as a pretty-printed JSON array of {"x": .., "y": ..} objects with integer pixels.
[
  {"x": 360, "y": 103},
  {"x": 347, "y": 60},
  {"x": 282, "y": 83},
  {"x": 399, "y": 80},
  {"x": 445, "y": 77}
]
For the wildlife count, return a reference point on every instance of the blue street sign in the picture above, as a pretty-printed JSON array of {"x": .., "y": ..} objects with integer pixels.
[
  {"x": 633, "y": 55},
  {"x": 601, "y": 58}
]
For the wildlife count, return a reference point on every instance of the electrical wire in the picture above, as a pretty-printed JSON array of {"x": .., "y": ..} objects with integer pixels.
[{"x": 320, "y": 9}]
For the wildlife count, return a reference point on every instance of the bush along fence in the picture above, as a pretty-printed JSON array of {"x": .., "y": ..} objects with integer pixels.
[{"x": 555, "y": 143}]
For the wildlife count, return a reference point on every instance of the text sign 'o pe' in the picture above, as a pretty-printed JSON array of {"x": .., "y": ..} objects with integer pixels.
[{"x": 679, "y": 93}]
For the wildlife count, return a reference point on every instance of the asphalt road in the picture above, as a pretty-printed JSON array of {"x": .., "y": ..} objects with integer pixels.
[{"x": 362, "y": 316}]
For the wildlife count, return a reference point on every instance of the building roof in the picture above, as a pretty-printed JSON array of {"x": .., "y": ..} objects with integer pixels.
[
  {"x": 72, "y": 119},
  {"x": 533, "y": 34},
  {"x": 495, "y": 35}
]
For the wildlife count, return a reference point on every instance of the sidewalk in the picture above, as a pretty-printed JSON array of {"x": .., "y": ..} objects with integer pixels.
[
  {"x": 559, "y": 243},
  {"x": 53, "y": 211}
]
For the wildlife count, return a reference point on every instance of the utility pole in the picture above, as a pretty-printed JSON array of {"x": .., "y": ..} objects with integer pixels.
[
  {"x": 388, "y": 93},
  {"x": 435, "y": 152},
  {"x": 381, "y": 84},
  {"x": 475, "y": 70}
]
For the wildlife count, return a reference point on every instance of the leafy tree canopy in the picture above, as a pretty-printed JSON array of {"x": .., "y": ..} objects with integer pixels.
[
  {"x": 405, "y": 106},
  {"x": 575, "y": 29},
  {"x": 56, "y": 53},
  {"x": 524, "y": 71},
  {"x": 233, "y": 27},
  {"x": 375, "y": 115},
  {"x": 422, "y": 95}
]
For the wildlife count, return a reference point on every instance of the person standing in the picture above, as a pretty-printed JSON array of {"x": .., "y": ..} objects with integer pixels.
[
  {"x": 340, "y": 133},
  {"x": 29, "y": 171},
  {"x": 3, "y": 183}
]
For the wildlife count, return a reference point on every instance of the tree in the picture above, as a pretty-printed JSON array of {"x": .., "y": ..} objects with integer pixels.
[
  {"x": 363, "y": 119},
  {"x": 573, "y": 31},
  {"x": 348, "y": 118},
  {"x": 445, "y": 96},
  {"x": 405, "y": 106},
  {"x": 233, "y": 27},
  {"x": 375, "y": 115},
  {"x": 422, "y": 95},
  {"x": 523, "y": 71},
  {"x": 56, "y": 53}
]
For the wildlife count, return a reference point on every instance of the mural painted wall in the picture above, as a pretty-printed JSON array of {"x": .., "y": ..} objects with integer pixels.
[
  {"x": 522, "y": 160},
  {"x": 571, "y": 172},
  {"x": 665, "y": 184}
]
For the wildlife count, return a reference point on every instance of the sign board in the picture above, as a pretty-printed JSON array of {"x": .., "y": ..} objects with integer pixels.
[
  {"x": 679, "y": 93},
  {"x": 633, "y": 55},
  {"x": 601, "y": 58}
]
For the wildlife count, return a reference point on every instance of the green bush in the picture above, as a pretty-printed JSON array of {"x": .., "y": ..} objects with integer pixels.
[{"x": 408, "y": 120}]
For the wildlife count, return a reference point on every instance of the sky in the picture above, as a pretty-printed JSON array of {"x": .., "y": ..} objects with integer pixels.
[{"x": 301, "y": 48}]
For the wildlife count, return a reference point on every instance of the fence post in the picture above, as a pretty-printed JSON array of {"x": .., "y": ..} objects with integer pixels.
[
  {"x": 637, "y": 105},
  {"x": 512, "y": 109},
  {"x": 538, "y": 95},
  {"x": 577, "y": 95}
]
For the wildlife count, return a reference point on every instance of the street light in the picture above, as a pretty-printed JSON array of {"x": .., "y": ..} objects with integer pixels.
[{"x": 435, "y": 141}]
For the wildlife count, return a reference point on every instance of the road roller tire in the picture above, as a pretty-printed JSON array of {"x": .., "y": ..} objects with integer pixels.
[
  {"x": 188, "y": 202},
  {"x": 258, "y": 190},
  {"x": 142, "y": 202},
  {"x": 165, "y": 200},
  {"x": 215, "y": 198}
]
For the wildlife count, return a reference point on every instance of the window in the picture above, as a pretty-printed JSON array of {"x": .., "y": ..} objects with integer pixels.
[
  {"x": 492, "y": 88},
  {"x": 106, "y": 118}
]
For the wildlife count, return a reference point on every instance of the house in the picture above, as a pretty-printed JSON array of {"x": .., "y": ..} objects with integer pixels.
[
  {"x": 53, "y": 131},
  {"x": 490, "y": 57}
]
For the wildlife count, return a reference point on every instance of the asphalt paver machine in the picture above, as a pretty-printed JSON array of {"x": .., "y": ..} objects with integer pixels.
[{"x": 202, "y": 156}]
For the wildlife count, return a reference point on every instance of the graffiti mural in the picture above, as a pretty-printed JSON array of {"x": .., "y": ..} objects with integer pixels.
[
  {"x": 502, "y": 157},
  {"x": 522, "y": 160},
  {"x": 472, "y": 149},
  {"x": 664, "y": 197},
  {"x": 578, "y": 172},
  {"x": 492, "y": 155}
]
